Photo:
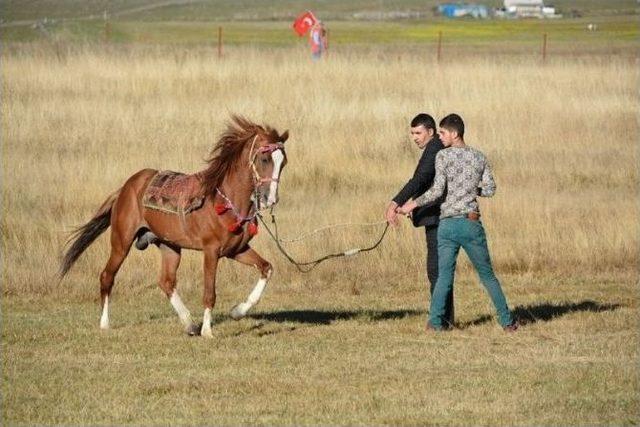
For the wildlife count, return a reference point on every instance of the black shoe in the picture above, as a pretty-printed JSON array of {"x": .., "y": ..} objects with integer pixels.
[
  {"x": 512, "y": 327},
  {"x": 431, "y": 328},
  {"x": 448, "y": 325}
]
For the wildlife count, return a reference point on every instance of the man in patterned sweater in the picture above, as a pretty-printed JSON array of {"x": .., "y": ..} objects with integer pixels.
[
  {"x": 423, "y": 133},
  {"x": 466, "y": 174}
]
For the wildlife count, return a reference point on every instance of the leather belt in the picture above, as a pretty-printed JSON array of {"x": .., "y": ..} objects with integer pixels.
[{"x": 472, "y": 216}]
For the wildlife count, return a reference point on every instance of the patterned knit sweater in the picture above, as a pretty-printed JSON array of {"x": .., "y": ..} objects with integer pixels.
[{"x": 466, "y": 174}]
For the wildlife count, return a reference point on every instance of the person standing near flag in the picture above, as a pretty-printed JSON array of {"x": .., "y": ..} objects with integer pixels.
[
  {"x": 307, "y": 21},
  {"x": 318, "y": 40}
]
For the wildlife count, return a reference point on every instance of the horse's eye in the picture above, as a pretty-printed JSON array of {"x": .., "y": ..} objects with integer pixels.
[{"x": 265, "y": 160}]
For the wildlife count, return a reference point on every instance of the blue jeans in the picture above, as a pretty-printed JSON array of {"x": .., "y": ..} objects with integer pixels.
[
  {"x": 454, "y": 233},
  {"x": 431, "y": 232}
]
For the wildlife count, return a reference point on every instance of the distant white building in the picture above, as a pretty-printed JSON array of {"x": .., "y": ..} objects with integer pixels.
[{"x": 528, "y": 9}]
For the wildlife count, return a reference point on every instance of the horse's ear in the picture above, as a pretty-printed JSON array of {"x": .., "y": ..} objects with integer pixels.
[{"x": 284, "y": 136}]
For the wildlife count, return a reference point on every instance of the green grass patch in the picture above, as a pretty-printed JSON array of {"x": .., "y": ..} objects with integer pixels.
[
  {"x": 612, "y": 30},
  {"x": 300, "y": 359}
]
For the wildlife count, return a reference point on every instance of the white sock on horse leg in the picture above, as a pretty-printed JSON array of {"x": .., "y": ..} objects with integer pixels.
[
  {"x": 206, "y": 324},
  {"x": 104, "y": 319},
  {"x": 256, "y": 293},
  {"x": 243, "y": 308},
  {"x": 180, "y": 308}
]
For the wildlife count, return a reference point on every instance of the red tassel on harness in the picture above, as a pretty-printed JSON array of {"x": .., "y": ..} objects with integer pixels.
[
  {"x": 234, "y": 227},
  {"x": 220, "y": 209},
  {"x": 253, "y": 228}
]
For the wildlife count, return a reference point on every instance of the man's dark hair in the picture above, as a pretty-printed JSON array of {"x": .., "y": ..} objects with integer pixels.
[
  {"x": 425, "y": 120},
  {"x": 453, "y": 122}
]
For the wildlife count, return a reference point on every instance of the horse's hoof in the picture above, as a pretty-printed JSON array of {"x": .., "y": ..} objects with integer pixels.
[
  {"x": 193, "y": 330},
  {"x": 207, "y": 333},
  {"x": 237, "y": 313}
]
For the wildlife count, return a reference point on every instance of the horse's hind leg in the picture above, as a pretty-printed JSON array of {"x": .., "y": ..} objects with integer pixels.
[
  {"x": 170, "y": 264},
  {"x": 124, "y": 224},
  {"x": 120, "y": 245},
  {"x": 251, "y": 257}
]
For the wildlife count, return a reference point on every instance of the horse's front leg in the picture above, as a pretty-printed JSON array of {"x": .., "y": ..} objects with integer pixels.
[
  {"x": 168, "y": 283},
  {"x": 251, "y": 257},
  {"x": 209, "y": 296}
]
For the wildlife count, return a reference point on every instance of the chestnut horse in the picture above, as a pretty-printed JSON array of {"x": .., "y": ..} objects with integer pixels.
[{"x": 241, "y": 178}]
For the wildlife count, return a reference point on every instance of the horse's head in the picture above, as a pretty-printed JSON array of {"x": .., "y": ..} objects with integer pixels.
[
  {"x": 248, "y": 148},
  {"x": 267, "y": 158}
]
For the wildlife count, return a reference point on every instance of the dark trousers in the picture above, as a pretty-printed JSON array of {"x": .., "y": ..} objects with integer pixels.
[{"x": 431, "y": 232}]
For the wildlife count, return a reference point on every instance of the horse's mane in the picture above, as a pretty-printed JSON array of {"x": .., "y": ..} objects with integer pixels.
[{"x": 225, "y": 154}]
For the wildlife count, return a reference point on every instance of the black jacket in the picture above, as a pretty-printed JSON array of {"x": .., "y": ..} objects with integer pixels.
[{"x": 420, "y": 182}]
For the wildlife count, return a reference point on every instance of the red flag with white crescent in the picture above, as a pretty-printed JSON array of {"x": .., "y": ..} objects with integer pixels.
[{"x": 304, "y": 22}]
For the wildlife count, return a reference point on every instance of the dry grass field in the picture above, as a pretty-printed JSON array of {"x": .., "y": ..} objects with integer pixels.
[{"x": 344, "y": 344}]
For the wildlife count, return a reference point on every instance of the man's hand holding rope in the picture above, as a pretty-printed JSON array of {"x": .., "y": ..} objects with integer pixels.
[
  {"x": 391, "y": 215},
  {"x": 407, "y": 208}
]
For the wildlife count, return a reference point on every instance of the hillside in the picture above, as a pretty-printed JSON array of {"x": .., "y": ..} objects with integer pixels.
[{"x": 16, "y": 11}]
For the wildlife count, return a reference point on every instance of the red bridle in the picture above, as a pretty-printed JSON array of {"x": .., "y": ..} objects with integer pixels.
[
  {"x": 240, "y": 220},
  {"x": 267, "y": 148}
]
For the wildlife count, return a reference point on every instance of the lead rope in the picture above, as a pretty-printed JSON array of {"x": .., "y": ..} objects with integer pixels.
[
  {"x": 329, "y": 227},
  {"x": 301, "y": 266},
  {"x": 305, "y": 267}
]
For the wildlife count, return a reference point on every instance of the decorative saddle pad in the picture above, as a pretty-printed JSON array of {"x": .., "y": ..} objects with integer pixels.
[{"x": 174, "y": 192}]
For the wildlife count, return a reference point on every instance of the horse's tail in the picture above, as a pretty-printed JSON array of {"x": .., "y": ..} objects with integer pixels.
[{"x": 85, "y": 235}]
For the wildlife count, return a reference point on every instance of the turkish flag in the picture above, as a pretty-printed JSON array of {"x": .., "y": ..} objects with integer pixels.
[{"x": 304, "y": 22}]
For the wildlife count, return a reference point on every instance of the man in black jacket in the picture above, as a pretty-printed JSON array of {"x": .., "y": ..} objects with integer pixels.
[{"x": 423, "y": 133}]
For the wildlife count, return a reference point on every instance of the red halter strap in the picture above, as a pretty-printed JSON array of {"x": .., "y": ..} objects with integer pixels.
[{"x": 271, "y": 147}]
